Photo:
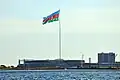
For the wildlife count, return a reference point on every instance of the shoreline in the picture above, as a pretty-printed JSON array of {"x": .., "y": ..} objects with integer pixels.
[{"x": 67, "y": 69}]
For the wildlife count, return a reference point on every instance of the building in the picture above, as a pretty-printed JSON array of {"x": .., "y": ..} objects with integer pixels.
[
  {"x": 105, "y": 61},
  {"x": 106, "y": 58},
  {"x": 40, "y": 64}
]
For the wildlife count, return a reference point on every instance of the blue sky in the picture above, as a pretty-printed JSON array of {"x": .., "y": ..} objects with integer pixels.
[{"x": 88, "y": 26}]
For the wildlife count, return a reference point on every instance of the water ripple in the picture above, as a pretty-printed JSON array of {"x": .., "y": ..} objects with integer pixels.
[{"x": 60, "y": 75}]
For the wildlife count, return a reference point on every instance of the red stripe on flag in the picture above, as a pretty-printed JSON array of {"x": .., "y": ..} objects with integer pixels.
[
  {"x": 56, "y": 16},
  {"x": 51, "y": 18}
]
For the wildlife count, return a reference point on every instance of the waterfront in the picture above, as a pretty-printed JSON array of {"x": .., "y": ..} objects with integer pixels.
[{"x": 84, "y": 74}]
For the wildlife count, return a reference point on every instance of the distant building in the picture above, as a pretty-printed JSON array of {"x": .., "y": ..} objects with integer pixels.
[
  {"x": 38, "y": 64},
  {"x": 106, "y": 58}
]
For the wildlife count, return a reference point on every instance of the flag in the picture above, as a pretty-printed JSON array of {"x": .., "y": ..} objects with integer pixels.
[{"x": 51, "y": 18}]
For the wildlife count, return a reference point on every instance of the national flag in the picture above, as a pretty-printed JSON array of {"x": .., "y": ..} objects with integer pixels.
[{"x": 51, "y": 18}]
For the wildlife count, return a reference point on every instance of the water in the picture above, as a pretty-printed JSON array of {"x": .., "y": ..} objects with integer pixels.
[{"x": 59, "y": 75}]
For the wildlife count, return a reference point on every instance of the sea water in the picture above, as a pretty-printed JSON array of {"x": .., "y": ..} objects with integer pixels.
[{"x": 60, "y": 74}]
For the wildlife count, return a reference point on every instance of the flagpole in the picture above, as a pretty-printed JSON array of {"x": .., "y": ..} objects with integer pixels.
[{"x": 59, "y": 39}]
